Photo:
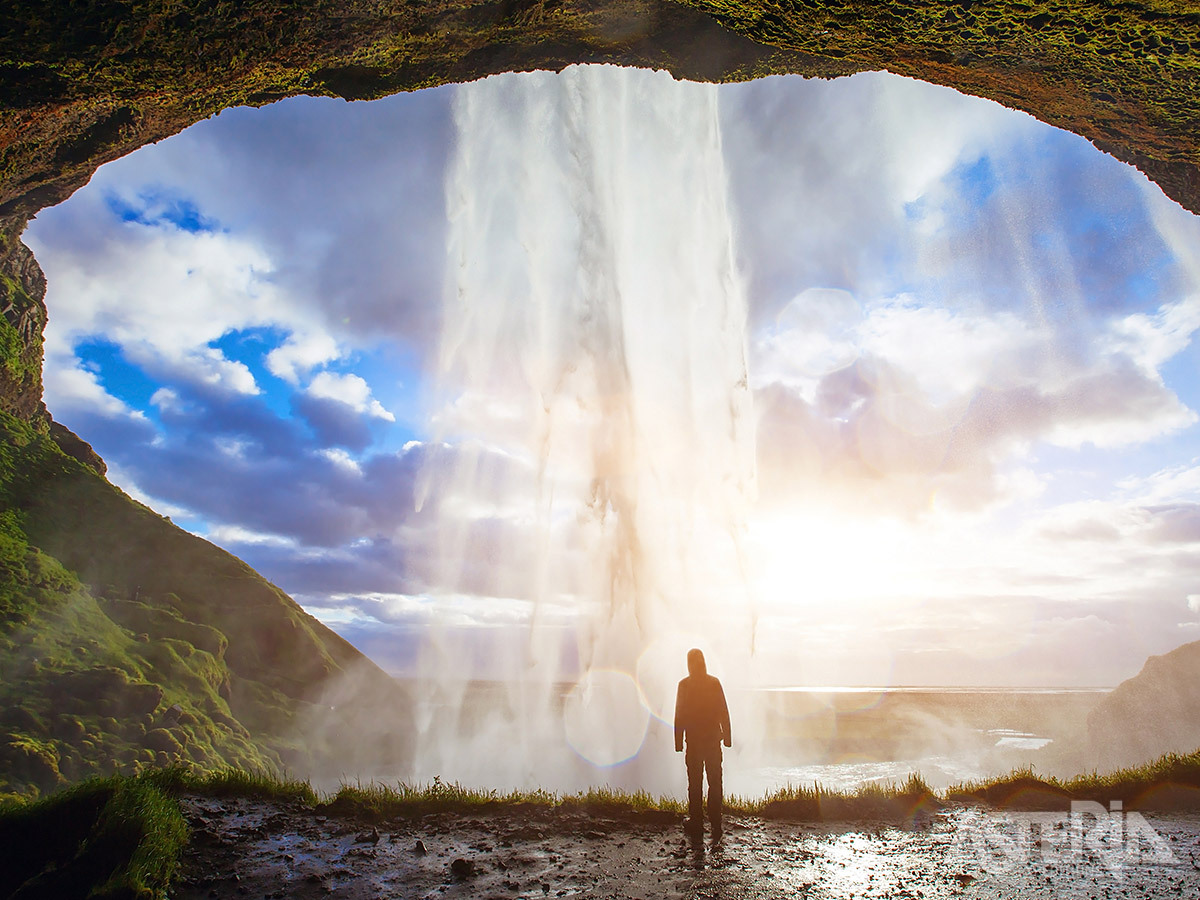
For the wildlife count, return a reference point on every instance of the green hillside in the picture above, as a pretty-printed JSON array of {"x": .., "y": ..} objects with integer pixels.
[{"x": 126, "y": 642}]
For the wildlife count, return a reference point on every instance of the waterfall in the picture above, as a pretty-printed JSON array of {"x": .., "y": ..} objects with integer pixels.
[{"x": 594, "y": 339}]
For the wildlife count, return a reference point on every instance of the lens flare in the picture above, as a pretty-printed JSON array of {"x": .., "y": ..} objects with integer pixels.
[{"x": 605, "y": 718}]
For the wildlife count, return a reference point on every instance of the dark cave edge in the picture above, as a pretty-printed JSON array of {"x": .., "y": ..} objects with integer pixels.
[{"x": 82, "y": 89}]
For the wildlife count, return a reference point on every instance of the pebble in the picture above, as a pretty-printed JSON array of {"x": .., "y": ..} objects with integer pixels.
[{"x": 462, "y": 868}]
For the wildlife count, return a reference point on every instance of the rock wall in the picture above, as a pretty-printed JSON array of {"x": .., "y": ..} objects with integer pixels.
[{"x": 22, "y": 319}]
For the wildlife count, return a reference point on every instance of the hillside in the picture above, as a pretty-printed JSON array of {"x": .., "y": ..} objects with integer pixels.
[
  {"x": 1156, "y": 711},
  {"x": 127, "y": 642}
]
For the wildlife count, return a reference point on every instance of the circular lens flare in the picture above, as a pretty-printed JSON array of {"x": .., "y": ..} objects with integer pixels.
[{"x": 605, "y": 718}]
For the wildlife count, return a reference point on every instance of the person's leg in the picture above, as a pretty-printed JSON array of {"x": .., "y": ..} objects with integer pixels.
[
  {"x": 716, "y": 796},
  {"x": 694, "y": 759}
]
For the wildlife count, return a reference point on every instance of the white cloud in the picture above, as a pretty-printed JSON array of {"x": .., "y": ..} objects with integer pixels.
[
  {"x": 162, "y": 294},
  {"x": 227, "y": 535},
  {"x": 1150, "y": 339},
  {"x": 1193, "y": 602},
  {"x": 1181, "y": 482},
  {"x": 902, "y": 401},
  {"x": 300, "y": 354},
  {"x": 71, "y": 387},
  {"x": 351, "y": 390},
  {"x": 341, "y": 459},
  {"x": 166, "y": 399},
  {"x": 948, "y": 354}
]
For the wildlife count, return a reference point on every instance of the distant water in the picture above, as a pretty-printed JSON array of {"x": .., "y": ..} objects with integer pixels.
[
  {"x": 843, "y": 737},
  {"x": 840, "y": 737}
]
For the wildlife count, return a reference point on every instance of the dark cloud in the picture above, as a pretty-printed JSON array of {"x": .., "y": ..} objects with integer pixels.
[
  {"x": 334, "y": 423},
  {"x": 322, "y": 523}
]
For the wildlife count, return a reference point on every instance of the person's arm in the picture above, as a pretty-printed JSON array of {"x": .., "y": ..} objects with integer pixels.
[
  {"x": 725, "y": 733},
  {"x": 679, "y": 719}
]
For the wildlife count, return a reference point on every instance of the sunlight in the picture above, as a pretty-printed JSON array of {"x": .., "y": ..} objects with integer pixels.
[{"x": 807, "y": 562}]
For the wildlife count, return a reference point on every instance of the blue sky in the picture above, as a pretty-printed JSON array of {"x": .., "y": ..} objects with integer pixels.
[{"x": 971, "y": 353}]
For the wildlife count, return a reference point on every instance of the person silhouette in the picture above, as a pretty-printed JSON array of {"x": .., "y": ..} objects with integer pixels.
[{"x": 702, "y": 717}]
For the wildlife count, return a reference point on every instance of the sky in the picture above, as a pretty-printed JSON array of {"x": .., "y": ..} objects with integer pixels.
[{"x": 970, "y": 347}]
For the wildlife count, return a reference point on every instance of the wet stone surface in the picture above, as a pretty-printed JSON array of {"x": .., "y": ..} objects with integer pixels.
[{"x": 244, "y": 848}]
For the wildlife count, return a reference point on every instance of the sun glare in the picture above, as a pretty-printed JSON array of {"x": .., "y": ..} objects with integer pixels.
[{"x": 804, "y": 562}]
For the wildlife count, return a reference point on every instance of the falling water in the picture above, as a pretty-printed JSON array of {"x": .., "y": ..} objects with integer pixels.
[{"x": 592, "y": 379}]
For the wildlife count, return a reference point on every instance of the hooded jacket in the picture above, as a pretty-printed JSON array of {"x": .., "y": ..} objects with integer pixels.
[{"x": 700, "y": 709}]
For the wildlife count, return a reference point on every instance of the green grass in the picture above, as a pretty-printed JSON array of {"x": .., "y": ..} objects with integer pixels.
[
  {"x": 113, "y": 838},
  {"x": 378, "y": 802},
  {"x": 231, "y": 782},
  {"x": 1170, "y": 782}
]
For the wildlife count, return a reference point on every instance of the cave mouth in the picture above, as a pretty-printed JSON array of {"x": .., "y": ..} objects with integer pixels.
[{"x": 967, "y": 342}]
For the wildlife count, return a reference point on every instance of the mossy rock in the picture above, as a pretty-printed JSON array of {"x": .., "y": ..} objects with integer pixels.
[
  {"x": 68, "y": 728},
  {"x": 21, "y": 718},
  {"x": 30, "y": 761},
  {"x": 159, "y": 739}
]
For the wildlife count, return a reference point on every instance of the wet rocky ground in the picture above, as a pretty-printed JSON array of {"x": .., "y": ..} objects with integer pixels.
[{"x": 247, "y": 848}]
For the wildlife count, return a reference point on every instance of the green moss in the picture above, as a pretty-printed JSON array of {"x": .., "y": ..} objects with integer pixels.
[
  {"x": 114, "y": 651},
  {"x": 81, "y": 692},
  {"x": 110, "y": 838}
]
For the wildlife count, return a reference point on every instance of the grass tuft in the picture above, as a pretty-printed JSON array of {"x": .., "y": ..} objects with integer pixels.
[
  {"x": 261, "y": 785},
  {"x": 112, "y": 838},
  {"x": 1171, "y": 782}
]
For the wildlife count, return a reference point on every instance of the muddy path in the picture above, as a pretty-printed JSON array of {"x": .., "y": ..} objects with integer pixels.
[{"x": 247, "y": 848}]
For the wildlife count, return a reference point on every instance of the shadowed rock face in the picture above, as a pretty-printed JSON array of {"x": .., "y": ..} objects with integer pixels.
[{"x": 1155, "y": 712}]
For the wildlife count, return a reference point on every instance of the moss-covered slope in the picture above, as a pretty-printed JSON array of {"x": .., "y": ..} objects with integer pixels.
[{"x": 126, "y": 642}]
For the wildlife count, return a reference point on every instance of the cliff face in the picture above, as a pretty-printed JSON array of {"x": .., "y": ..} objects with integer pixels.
[
  {"x": 22, "y": 318},
  {"x": 1155, "y": 712}
]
